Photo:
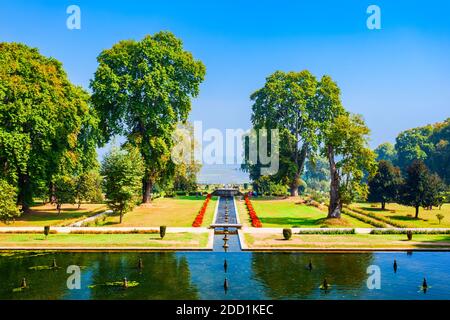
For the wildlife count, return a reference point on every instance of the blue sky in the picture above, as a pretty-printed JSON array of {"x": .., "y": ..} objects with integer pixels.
[{"x": 396, "y": 77}]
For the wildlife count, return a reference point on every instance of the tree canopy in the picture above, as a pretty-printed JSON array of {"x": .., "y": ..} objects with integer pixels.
[
  {"x": 42, "y": 116},
  {"x": 141, "y": 90},
  {"x": 385, "y": 185}
]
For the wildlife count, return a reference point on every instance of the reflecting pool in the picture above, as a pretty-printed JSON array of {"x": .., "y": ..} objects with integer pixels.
[{"x": 201, "y": 275}]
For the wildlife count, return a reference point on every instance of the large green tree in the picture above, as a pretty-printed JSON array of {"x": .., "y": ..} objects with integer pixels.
[
  {"x": 41, "y": 117},
  {"x": 385, "y": 185},
  {"x": 350, "y": 159},
  {"x": 386, "y": 151},
  {"x": 122, "y": 171},
  {"x": 141, "y": 90},
  {"x": 421, "y": 188},
  {"x": 287, "y": 103}
]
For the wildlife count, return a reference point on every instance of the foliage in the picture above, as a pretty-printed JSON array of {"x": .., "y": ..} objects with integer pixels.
[
  {"x": 89, "y": 187},
  {"x": 287, "y": 103},
  {"x": 351, "y": 160},
  {"x": 65, "y": 191},
  {"x": 440, "y": 216},
  {"x": 421, "y": 188},
  {"x": 317, "y": 175},
  {"x": 42, "y": 116},
  {"x": 287, "y": 234},
  {"x": 123, "y": 172},
  {"x": 385, "y": 185},
  {"x": 430, "y": 144},
  {"x": 8, "y": 207},
  {"x": 386, "y": 151},
  {"x": 142, "y": 90}
]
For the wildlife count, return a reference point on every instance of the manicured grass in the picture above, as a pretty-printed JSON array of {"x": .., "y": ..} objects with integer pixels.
[
  {"x": 196, "y": 240},
  {"x": 347, "y": 241},
  {"x": 285, "y": 213},
  {"x": 47, "y": 215},
  {"x": 405, "y": 215},
  {"x": 171, "y": 212}
]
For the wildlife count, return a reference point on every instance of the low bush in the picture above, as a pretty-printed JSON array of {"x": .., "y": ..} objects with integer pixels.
[
  {"x": 379, "y": 217},
  {"x": 405, "y": 231},
  {"x": 135, "y": 231},
  {"x": 287, "y": 234},
  {"x": 365, "y": 219},
  {"x": 328, "y": 231},
  {"x": 162, "y": 231}
]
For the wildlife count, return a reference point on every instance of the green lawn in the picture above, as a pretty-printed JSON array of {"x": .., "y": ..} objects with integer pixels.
[
  {"x": 171, "y": 212},
  {"x": 285, "y": 213},
  {"x": 405, "y": 215},
  {"x": 348, "y": 241},
  {"x": 197, "y": 240},
  {"x": 47, "y": 215}
]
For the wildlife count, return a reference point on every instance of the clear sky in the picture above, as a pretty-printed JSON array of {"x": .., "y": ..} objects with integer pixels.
[{"x": 396, "y": 77}]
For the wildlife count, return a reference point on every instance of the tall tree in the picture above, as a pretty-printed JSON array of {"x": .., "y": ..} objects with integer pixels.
[
  {"x": 385, "y": 185},
  {"x": 141, "y": 90},
  {"x": 421, "y": 188},
  {"x": 350, "y": 160},
  {"x": 287, "y": 103},
  {"x": 41, "y": 115},
  {"x": 123, "y": 172}
]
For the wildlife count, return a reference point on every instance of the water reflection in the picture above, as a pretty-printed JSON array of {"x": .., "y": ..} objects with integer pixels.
[{"x": 200, "y": 275}]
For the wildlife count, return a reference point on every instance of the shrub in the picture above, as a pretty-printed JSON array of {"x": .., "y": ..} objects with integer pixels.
[
  {"x": 328, "y": 231},
  {"x": 287, "y": 234},
  {"x": 405, "y": 231},
  {"x": 409, "y": 234},
  {"x": 379, "y": 217},
  {"x": 135, "y": 231},
  {"x": 46, "y": 231},
  {"x": 440, "y": 216},
  {"x": 365, "y": 219},
  {"x": 162, "y": 231}
]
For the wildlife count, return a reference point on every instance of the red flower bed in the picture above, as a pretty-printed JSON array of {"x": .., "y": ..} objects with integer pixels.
[
  {"x": 255, "y": 220},
  {"x": 199, "y": 218}
]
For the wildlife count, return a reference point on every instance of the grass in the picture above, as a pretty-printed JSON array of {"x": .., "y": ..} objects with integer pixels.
[
  {"x": 405, "y": 215},
  {"x": 197, "y": 240},
  {"x": 285, "y": 213},
  {"x": 47, "y": 215},
  {"x": 348, "y": 241},
  {"x": 171, "y": 212}
]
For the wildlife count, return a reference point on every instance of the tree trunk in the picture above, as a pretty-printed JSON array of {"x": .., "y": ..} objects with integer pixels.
[
  {"x": 121, "y": 217},
  {"x": 383, "y": 205},
  {"x": 300, "y": 162},
  {"x": 148, "y": 186},
  {"x": 24, "y": 197},
  {"x": 335, "y": 206},
  {"x": 417, "y": 212},
  {"x": 294, "y": 186}
]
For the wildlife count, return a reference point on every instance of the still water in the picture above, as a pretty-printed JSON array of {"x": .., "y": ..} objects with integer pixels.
[{"x": 201, "y": 275}]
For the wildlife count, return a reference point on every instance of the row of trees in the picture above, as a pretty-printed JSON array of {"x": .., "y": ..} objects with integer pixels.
[
  {"x": 430, "y": 144},
  {"x": 312, "y": 123},
  {"x": 419, "y": 187},
  {"x": 50, "y": 128}
]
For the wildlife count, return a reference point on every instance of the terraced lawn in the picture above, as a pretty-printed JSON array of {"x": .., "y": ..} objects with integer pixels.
[
  {"x": 356, "y": 241},
  {"x": 405, "y": 215},
  {"x": 171, "y": 212},
  {"x": 197, "y": 240},
  {"x": 47, "y": 215},
  {"x": 285, "y": 213}
]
